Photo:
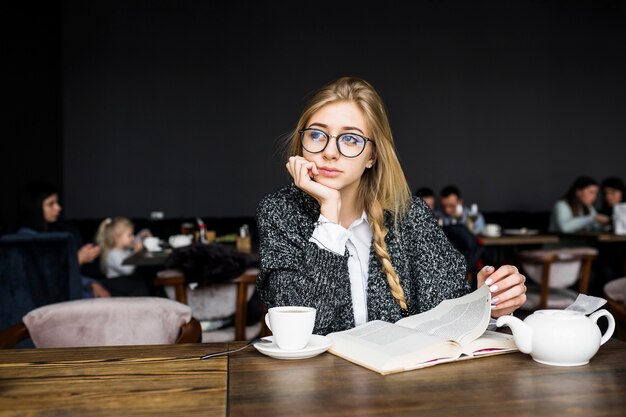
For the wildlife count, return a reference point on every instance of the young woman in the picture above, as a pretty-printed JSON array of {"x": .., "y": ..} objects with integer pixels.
[
  {"x": 39, "y": 211},
  {"x": 117, "y": 239},
  {"x": 347, "y": 237},
  {"x": 575, "y": 211}
]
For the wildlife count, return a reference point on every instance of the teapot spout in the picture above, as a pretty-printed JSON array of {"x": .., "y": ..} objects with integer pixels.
[{"x": 522, "y": 333}]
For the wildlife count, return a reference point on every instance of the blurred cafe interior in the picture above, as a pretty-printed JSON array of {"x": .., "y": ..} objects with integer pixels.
[{"x": 168, "y": 120}]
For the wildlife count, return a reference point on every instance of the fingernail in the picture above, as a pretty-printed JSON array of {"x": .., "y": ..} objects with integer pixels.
[
  {"x": 493, "y": 288},
  {"x": 488, "y": 268},
  {"x": 493, "y": 307},
  {"x": 495, "y": 300},
  {"x": 489, "y": 281}
]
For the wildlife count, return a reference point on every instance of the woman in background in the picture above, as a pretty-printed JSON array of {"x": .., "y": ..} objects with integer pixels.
[
  {"x": 346, "y": 236},
  {"x": 39, "y": 211},
  {"x": 575, "y": 211},
  {"x": 613, "y": 193}
]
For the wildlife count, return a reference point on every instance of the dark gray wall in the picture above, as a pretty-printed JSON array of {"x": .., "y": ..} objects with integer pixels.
[
  {"x": 31, "y": 133},
  {"x": 178, "y": 106}
]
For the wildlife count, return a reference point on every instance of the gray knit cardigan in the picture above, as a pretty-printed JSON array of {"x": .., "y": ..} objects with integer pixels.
[{"x": 295, "y": 271}]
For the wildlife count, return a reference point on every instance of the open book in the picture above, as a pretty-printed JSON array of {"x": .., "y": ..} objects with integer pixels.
[{"x": 454, "y": 330}]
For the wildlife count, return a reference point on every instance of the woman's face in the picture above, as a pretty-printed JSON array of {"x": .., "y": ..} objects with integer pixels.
[
  {"x": 51, "y": 208},
  {"x": 587, "y": 195},
  {"x": 335, "y": 170},
  {"x": 612, "y": 196}
]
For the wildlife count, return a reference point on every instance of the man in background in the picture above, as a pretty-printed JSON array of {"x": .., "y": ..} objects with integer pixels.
[{"x": 453, "y": 211}]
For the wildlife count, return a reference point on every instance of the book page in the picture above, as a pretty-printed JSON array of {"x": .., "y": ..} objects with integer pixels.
[
  {"x": 490, "y": 343},
  {"x": 386, "y": 347},
  {"x": 461, "y": 319}
]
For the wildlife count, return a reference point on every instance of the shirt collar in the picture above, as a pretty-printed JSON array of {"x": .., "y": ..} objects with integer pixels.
[{"x": 362, "y": 219}]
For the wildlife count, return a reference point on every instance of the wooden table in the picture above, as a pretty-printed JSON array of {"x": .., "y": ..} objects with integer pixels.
[
  {"x": 157, "y": 259},
  {"x": 612, "y": 248},
  {"x": 597, "y": 236},
  {"x": 514, "y": 240},
  {"x": 113, "y": 381},
  {"x": 147, "y": 258},
  {"x": 504, "y": 249},
  {"x": 170, "y": 380}
]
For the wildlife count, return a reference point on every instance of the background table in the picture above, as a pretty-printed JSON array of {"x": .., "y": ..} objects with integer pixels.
[
  {"x": 514, "y": 240},
  {"x": 504, "y": 249}
]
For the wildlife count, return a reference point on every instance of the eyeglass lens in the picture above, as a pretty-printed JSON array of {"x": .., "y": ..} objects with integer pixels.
[{"x": 349, "y": 144}]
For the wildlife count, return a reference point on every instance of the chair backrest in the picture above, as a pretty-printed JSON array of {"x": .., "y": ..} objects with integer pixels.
[
  {"x": 110, "y": 321},
  {"x": 36, "y": 270},
  {"x": 215, "y": 305},
  {"x": 615, "y": 293},
  {"x": 558, "y": 268}
]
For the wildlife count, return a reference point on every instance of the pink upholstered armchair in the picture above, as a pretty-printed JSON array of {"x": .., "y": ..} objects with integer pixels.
[{"x": 106, "y": 322}]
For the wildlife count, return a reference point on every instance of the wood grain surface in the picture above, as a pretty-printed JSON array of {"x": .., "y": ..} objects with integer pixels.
[
  {"x": 510, "y": 384},
  {"x": 113, "y": 381},
  {"x": 171, "y": 380}
]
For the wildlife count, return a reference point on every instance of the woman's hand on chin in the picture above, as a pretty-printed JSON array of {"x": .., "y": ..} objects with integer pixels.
[{"x": 303, "y": 173}]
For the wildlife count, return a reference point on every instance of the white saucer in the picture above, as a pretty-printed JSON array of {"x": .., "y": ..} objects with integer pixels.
[
  {"x": 318, "y": 344},
  {"x": 492, "y": 235}
]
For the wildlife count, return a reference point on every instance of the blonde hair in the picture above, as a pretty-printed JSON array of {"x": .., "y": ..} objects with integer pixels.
[
  {"x": 106, "y": 237},
  {"x": 382, "y": 187}
]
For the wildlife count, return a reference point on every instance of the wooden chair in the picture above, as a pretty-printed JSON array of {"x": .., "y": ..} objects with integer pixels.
[
  {"x": 176, "y": 279},
  {"x": 241, "y": 312},
  {"x": 106, "y": 322},
  {"x": 615, "y": 293},
  {"x": 540, "y": 265}
]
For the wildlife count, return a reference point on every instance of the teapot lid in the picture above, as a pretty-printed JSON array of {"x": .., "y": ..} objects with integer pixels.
[{"x": 559, "y": 314}]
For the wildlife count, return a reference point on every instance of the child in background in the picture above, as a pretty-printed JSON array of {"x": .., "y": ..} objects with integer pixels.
[{"x": 117, "y": 240}]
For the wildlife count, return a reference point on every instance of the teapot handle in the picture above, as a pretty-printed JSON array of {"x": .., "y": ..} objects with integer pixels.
[{"x": 609, "y": 332}]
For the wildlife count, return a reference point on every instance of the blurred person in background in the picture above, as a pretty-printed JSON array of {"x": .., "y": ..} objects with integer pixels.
[
  {"x": 38, "y": 212},
  {"x": 613, "y": 193},
  {"x": 453, "y": 211},
  {"x": 575, "y": 211}
]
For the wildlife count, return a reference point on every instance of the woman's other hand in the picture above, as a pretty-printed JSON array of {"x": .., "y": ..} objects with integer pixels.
[
  {"x": 87, "y": 253},
  {"x": 602, "y": 218},
  {"x": 99, "y": 291},
  {"x": 508, "y": 289}
]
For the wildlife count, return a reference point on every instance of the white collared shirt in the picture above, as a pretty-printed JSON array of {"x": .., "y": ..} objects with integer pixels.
[{"x": 357, "y": 238}]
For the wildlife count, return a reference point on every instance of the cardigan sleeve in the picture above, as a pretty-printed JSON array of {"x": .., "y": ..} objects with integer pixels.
[
  {"x": 439, "y": 267},
  {"x": 295, "y": 271}
]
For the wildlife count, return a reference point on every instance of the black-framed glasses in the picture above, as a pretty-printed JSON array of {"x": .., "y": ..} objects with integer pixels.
[{"x": 349, "y": 145}]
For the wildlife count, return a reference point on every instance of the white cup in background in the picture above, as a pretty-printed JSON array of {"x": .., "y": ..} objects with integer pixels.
[
  {"x": 179, "y": 241},
  {"x": 152, "y": 244},
  {"x": 292, "y": 326},
  {"x": 492, "y": 230}
]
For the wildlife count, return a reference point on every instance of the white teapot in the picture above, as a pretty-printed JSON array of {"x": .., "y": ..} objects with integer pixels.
[{"x": 559, "y": 337}]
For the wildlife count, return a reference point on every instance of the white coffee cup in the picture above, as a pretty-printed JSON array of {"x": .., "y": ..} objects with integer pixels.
[
  {"x": 492, "y": 229},
  {"x": 151, "y": 243},
  {"x": 178, "y": 241},
  {"x": 292, "y": 326}
]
